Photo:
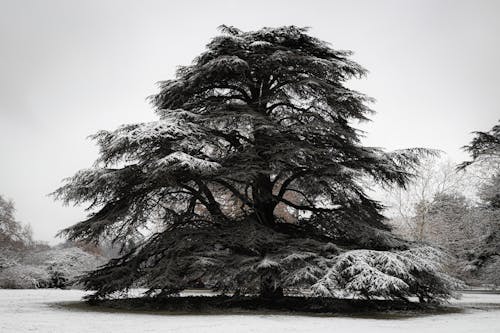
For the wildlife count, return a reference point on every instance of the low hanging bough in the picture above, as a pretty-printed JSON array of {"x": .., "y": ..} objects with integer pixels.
[
  {"x": 251, "y": 181},
  {"x": 238, "y": 257}
]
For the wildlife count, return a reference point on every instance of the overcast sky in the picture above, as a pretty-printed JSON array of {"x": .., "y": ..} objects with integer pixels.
[{"x": 70, "y": 68}]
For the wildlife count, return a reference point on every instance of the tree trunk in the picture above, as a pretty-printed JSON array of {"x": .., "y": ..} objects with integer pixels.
[
  {"x": 262, "y": 187},
  {"x": 262, "y": 194},
  {"x": 270, "y": 287}
]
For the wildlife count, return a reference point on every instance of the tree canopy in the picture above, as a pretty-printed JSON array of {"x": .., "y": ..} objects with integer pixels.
[{"x": 260, "y": 120}]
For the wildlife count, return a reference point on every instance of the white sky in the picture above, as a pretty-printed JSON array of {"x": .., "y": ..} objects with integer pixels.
[{"x": 70, "y": 68}]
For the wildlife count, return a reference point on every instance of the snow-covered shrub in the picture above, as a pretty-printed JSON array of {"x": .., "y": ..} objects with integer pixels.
[
  {"x": 7, "y": 259},
  {"x": 24, "y": 277},
  {"x": 489, "y": 274},
  {"x": 63, "y": 265},
  {"x": 54, "y": 268}
]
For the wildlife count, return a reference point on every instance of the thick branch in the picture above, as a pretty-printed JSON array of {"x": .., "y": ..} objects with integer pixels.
[
  {"x": 303, "y": 207},
  {"x": 235, "y": 191},
  {"x": 213, "y": 206},
  {"x": 289, "y": 180},
  {"x": 233, "y": 87}
]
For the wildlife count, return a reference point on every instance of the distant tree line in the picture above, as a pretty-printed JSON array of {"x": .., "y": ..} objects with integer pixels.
[
  {"x": 26, "y": 263},
  {"x": 456, "y": 208}
]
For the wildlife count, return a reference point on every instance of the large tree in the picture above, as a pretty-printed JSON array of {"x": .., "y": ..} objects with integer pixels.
[{"x": 260, "y": 120}]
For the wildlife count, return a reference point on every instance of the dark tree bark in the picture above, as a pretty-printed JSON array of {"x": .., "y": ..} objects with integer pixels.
[{"x": 270, "y": 288}]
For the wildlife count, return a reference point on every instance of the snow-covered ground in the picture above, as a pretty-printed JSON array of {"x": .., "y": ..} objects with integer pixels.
[{"x": 37, "y": 311}]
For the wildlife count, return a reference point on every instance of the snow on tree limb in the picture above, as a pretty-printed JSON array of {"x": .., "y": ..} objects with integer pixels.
[{"x": 181, "y": 161}]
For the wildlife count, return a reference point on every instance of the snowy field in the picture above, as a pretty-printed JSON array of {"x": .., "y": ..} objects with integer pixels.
[{"x": 39, "y": 311}]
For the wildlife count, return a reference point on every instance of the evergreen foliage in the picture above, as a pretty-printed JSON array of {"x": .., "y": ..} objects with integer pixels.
[
  {"x": 484, "y": 261},
  {"x": 258, "y": 116},
  {"x": 484, "y": 146}
]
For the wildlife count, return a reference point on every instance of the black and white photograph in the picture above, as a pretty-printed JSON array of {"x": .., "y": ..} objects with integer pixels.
[{"x": 250, "y": 166}]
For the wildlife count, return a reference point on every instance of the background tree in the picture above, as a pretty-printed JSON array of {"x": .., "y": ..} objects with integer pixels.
[
  {"x": 452, "y": 209},
  {"x": 258, "y": 116},
  {"x": 485, "y": 149},
  {"x": 13, "y": 234},
  {"x": 408, "y": 207},
  {"x": 449, "y": 225},
  {"x": 456, "y": 210},
  {"x": 490, "y": 192}
]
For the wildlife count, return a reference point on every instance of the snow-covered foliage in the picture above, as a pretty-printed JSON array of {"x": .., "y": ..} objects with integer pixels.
[
  {"x": 65, "y": 264},
  {"x": 484, "y": 259},
  {"x": 480, "y": 254},
  {"x": 260, "y": 119},
  {"x": 54, "y": 268},
  {"x": 237, "y": 256},
  {"x": 388, "y": 274},
  {"x": 484, "y": 147},
  {"x": 490, "y": 272},
  {"x": 445, "y": 212},
  {"x": 175, "y": 128},
  {"x": 182, "y": 161},
  {"x": 7, "y": 259},
  {"x": 23, "y": 276}
]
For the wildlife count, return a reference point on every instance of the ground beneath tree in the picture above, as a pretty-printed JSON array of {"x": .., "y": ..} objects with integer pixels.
[
  {"x": 257, "y": 305},
  {"x": 58, "y": 311}
]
